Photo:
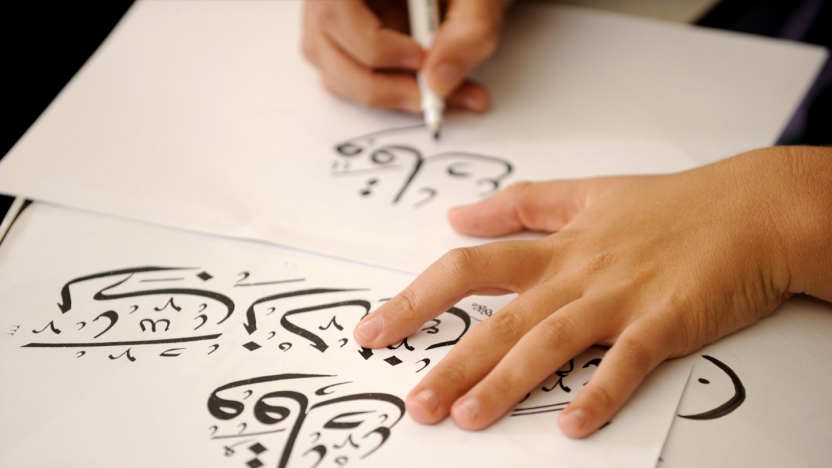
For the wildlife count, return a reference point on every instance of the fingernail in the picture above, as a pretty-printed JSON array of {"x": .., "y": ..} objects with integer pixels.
[
  {"x": 574, "y": 421},
  {"x": 370, "y": 328},
  {"x": 427, "y": 399},
  {"x": 469, "y": 410},
  {"x": 448, "y": 75}
]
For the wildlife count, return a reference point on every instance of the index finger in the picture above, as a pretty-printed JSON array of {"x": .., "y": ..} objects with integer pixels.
[
  {"x": 491, "y": 269},
  {"x": 356, "y": 30}
]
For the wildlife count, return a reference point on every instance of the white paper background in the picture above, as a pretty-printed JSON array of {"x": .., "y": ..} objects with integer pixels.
[
  {"x": 204, "y": 116},
  {"x": 90, "y": 410}
]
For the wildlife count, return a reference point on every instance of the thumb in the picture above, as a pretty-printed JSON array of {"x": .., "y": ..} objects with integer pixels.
[
  {"x": 533, "y": 206},
  {"x": 468, "y": 36}
]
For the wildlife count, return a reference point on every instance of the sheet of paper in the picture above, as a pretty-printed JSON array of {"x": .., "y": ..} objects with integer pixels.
[
  {"x": 204, "y": 116},
  {"x": 127, "y": 344},
  {"x": 760, "y": 397}
]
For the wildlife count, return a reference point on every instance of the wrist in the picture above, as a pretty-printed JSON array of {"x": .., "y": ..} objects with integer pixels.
[{"x": 805, "y": 213}]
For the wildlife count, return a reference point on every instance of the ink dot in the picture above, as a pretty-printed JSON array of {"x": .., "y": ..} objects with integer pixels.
[
  {"x": 251, "y": 346},
  {"x": 704, "y": 381},
  {"x": 393, "y": 361},
  {"x": 257, "y": 448}
]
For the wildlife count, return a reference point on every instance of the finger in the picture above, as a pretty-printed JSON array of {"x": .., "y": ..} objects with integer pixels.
[
  {"x": 497, "y": 267},
  {"x": 355, "y": 29},
  {"x": 480, "y": 351},
  {"x": 470, "y": 95},
  {"x": 642, "y": 347},
  {"x": 468, "y": 36},
  {"x": 534, "y": 206},
  {"x": 387, "y": 90},
  {"x": 542, "y": 351}
]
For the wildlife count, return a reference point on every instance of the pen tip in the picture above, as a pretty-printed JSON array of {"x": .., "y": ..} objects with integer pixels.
[{"x": 436, "y": 129}]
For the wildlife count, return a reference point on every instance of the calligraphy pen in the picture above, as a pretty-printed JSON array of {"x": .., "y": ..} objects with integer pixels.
[{"x": 424, "y": 22}]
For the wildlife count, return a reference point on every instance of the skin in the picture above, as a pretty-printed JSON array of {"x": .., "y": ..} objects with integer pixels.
[
  {"x": 364, "y": 52},
  {"x": 653, "y": 266}
]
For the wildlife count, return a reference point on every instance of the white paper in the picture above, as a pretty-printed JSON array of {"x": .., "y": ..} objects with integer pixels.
[
  {"x": 204, "y": 116},
  {"x": 129, "y": 379},
  {"x": 782, "y": 364}
]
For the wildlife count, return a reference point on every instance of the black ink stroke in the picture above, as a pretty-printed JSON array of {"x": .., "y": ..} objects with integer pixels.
[
  {"x": 50, "y": 326},
  {"x": 268, "y": 283},
  {"x": 729, "y": 406},
  {"x": 432, "y": 329},
  {"x": 168, "y": 303},
  {"x": 466, "y": 319},
  {"x": 268, "y": 412},
  {"x": 66, "y": 298},
  {"x": 402, "y": 343},
  {"x": 323, "y": 390},
  {"x": 251, "y": 318},
  {"x": 126, "y": 353},
  {"x": 153, "y": 324},
  {"x": 123, "y": 343},
  {"x": 561, "y": 374},
  {"x": 222, "y": 299},
  {"x": 112, "y": 316},
  {"x": 204, "y": 319},
  {"x": 315, "y": 340},
  {"x": 386, "y": 156},
  {"x": 427, "y": 363},
  {"x": 539, "y": 409}
]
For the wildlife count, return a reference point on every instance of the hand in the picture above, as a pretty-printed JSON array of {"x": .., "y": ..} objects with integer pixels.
[
  {"x": 365, "y": 55},
  {"x": 653, "y": 266}
]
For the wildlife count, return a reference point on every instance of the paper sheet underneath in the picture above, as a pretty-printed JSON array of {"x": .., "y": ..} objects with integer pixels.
[
  {"x": 204, "y": 116},
  {"x": 197, "y": 356},
  {"x": 785, "y": 419}
]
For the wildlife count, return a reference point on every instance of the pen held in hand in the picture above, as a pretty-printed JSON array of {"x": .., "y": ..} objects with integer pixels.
[{"x": 424, "y": 22}]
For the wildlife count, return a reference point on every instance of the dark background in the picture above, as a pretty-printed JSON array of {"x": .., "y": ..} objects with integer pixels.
[{"x": 46, "y": 44}]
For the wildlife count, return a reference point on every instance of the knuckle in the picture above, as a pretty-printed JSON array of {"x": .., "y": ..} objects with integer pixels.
[
  {"x": 560, "y": 330},
  {"x": 636, "y": 353},
  {"x": 519, "y": 188},
  {"x": 505, "y": 326},
  {"x": 452, "y": 376},
  {"x": 484, "y": 34},
  {"x": 372, "y": 54},
  {"x": 368, "y": 94},
  {"x": 460, "y": 261},
  {"x": 602, "y": 399},
  {"x": 407, "y": 303},
  {"x": 502, "y": 384},
  {"x": 487, "y": 35},
  {"x": 598, "y": 263}
]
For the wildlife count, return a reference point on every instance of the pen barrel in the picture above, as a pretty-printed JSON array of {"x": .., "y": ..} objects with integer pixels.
[
  {"x": 424, "y": 21},
  {"x": 432, "y": 105}
]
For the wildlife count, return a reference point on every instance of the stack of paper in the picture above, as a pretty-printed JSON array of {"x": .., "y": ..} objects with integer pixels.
[{"x": 131, "y": 343}]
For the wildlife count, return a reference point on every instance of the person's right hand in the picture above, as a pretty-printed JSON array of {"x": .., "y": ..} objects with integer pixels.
[{"x": 365, "y": 55}]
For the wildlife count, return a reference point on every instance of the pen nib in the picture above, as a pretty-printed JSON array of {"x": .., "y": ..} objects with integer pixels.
[{"x": 435, "y": 129}]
